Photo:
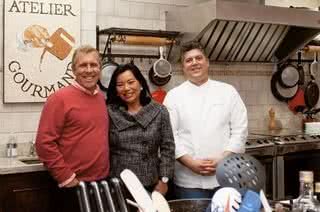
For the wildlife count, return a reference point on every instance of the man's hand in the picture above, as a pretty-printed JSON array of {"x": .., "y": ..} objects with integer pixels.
[
  {"x": 161, "y": 187},
  {"x": 73, "y": 183},
  {"x": 216, "y": 160},
  {"x": 203, "y": 166},
  {"x": 198, "y": 166}
]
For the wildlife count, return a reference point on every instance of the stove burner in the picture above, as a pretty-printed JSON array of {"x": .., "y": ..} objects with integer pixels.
[
  {"x": 260, "y": 145},
  {"x": 296, "y": 139}
]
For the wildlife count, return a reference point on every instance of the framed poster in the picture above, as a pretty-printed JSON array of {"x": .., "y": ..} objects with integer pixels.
[{"x": 39, "y": 40}]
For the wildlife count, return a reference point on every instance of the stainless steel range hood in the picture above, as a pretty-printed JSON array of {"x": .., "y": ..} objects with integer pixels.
[{"x": 233, "y": 31}]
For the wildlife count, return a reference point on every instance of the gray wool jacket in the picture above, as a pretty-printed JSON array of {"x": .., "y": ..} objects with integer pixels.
[{"x": 142, "y": 142}]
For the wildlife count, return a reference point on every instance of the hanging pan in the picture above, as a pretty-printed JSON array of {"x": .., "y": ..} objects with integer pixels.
[
  {"x": 107, "y": 69},
  {"x": 289, "y": 75},
  {"x": 311, "y": 92},
  {"x": 161, "y": 70},
  {"x": 300, "y": 69},
  {"x": 279, "y": 92}
]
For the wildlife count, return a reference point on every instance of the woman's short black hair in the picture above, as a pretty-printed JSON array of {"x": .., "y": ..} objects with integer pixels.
[{"x": 112, "y": 96}]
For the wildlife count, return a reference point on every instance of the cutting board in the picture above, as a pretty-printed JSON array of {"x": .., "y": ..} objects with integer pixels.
[{"x": 60, "y": 44}]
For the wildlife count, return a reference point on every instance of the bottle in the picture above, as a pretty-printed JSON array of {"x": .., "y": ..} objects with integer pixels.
[
  {"x": 9, "y": 150},
  {"x": 306, "y": 201},
  {"x": 272, "y": 119},
  {"x": 317, "y": 190},
  {"x": 14, "y": 150}
]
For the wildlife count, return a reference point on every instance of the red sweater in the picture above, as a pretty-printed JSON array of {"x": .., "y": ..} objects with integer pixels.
[{"x": 73, "y": 135}]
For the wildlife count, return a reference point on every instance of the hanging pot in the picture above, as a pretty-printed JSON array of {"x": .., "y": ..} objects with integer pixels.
[
  {"x": 107, "y": 69},
  {"x": 289, "y": 75},
  {"x": 311, "y": 92},
  {"x": 279, "y": 92}
]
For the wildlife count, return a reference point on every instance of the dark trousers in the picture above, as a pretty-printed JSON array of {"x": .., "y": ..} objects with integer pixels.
[{"x": 194, "y": 193}]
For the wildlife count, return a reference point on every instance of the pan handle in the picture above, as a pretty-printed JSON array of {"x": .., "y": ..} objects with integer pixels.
[
  {"x": 161, "y": 52},
  {"x": 107, "y": 192},
  {"x": 97, "y": 196},
  {"x": 120, "y": 198},
  {"x": 83, "y": 197}
]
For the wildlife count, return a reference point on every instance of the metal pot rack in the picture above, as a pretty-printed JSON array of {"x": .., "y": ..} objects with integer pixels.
[{"x": 115, "y": 34}]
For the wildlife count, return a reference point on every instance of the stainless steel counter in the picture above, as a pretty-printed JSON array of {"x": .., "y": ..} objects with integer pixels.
[{"x": 15, "y": 165}]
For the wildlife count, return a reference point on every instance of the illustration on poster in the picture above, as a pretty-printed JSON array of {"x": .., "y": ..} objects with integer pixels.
[{"x": 59, "y": 44}]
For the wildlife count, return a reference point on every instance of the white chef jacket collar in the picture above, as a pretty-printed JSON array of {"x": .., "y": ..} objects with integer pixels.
[{"x": 205, "y": 84}]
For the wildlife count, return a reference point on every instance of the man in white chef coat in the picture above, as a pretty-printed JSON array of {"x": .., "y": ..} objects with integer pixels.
[{"x": 209, "y": 122}]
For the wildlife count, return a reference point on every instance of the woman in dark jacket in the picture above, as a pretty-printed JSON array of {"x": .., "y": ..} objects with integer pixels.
[{"x": 141, "y": 137}]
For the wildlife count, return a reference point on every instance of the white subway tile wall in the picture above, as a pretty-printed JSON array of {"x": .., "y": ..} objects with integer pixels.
[
  {"x": 122, "y": 8},
  {"x": 89, "y": 6},
  {"x": 87, "y": 36},
  {"x": 106, "y": 8},
  {"x": 88, "y": 21},
  {"x": 251, "y": 80}
]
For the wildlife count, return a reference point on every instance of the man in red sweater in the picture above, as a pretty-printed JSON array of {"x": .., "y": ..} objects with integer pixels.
[{"x": 72, "y": 139}]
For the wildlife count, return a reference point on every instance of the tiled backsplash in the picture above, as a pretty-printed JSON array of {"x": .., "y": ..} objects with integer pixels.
[{"x": 251, "y": 80}]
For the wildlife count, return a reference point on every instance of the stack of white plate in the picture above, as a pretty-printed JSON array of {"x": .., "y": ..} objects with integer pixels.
[{"x": 312, "y": 128}]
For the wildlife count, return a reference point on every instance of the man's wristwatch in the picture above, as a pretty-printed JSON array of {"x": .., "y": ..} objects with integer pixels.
[{"x": 165, "y": 179}]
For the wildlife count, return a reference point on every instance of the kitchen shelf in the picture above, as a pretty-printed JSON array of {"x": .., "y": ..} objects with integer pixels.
[{"x": 111, "y": 34}]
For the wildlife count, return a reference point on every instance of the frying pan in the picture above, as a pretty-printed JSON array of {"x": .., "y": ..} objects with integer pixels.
[
  {"x": 107, "y": 69},
  {"x": 311, "y": 92},
  {"x": 162, "y": 68},
  {"x": 289, "y": 75},
  {"x": 159, "y": 81},
  {"x": 161, "y": 71},
  {"x": 279, "y": 92}
]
